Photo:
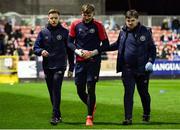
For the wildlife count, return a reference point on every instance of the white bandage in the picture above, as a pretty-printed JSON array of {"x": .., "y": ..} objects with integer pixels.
[{"x": 79, "y": 52}]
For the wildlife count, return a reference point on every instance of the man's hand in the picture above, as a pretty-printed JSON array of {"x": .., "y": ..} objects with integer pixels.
[
  {"x": 86, "y": 54},
  {"x": 44, "y": 53},
  {"x": 79, "y": 52},
  {"x": 89, "y": 54},
  {"x": 149, "y": 67},
  {"x": 70, "y": 74}
]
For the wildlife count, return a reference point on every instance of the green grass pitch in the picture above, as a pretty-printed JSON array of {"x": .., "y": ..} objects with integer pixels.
[{"x": 27, "y": 105}]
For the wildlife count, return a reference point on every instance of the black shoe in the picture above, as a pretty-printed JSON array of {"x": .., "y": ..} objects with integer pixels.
[
  {"x": 146, "y": 118},
  {"x": 55, "y": 120},
  {"x": 127, "y": 122}
]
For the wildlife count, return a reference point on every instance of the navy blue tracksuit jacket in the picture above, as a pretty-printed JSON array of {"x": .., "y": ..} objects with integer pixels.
[
  {"x": 135, "y": 48},
  {"x": 54, "y": 40}
]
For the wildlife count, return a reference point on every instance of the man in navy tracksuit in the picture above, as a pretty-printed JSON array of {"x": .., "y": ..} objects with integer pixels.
[
  {"x": 85, "y": 37},
  {"x": 51, "y": 43},
  {"x": 136, "y": 54}
]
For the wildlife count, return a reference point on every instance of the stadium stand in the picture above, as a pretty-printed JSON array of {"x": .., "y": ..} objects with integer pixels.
[{"x": 21, "y": 40}]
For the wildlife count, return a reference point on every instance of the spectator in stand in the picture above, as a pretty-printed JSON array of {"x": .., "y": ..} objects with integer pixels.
[
  {"x": 8, "y": 29},
  {"x": 1, "y": 28},
  {"x": 165, "y": 25},
  {"x": 2, "y": 46},
  {"x": 107, "y": 24},
  {"x": 32, "y": 56},
  {"x": 17, "y": 34},
  {"x": 175, "y": 26},
  {"x": 9, "y": 48},
  {"x": 20, "y": 53},
  {"x": 159, "y": 51},
  {"x": 168, "y": 51},
  {"x": 176, "y": 56},
  {"x": 32, "y": 31},
  {"x": 116, "y": 27},
  {"x": 27, "y": 42},
  {"x": 165, "y": 38}
]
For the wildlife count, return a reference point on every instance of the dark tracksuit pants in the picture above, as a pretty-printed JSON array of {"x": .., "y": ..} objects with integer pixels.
[
  {"x": 131, "y": 78},
  {"x": 86, "y": 76},
  {"x": 54, "y": 78}
]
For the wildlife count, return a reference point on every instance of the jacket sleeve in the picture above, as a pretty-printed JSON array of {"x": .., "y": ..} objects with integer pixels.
[
  {"x": 104, "y": 46},
  {"x": 70, "y": 43},
  {"x": 71, "y": 36},
  {"x": 70, "y": 59},
  {"x": 103, "y": 37},
  {"x": 70, "y": 55},
  {"x": 38, "y": 45},
  {"x": 114, "y": 46},
  {"x": 151, "y": 49}
]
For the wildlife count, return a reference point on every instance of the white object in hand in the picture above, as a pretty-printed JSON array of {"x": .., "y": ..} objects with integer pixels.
[
  {"x": 149, "y": 66},
  {"x": 79, "y": 52}
]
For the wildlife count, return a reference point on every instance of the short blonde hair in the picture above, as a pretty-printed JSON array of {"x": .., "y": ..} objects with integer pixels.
[
  {"x": 88, "y": 8},
  {"x": 51, "y": 11}
]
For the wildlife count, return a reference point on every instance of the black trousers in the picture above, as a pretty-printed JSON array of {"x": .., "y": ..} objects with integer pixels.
[
  {"x": 86, "y": 76},
  {"x": 54, "y": 78},
  {"x": 86, "y": 93},
  {"x": 131, "y": 78}
]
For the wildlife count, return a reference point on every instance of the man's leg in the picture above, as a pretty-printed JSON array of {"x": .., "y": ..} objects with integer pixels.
[
  {"x": 49, "y": 82},
  {"x": 142, "y": 87},
  {"x": 80, "y": 81},
  {"x": 92, "y": 77},
  {"x": 49, "y": 77},
  {"x": 56, "y": 96},
  {"x": 91, "y": 100},
  {"x": 129, "y": 86},
  {"x": 57, "y": 84},
  {"x": 81, "y": 90}
]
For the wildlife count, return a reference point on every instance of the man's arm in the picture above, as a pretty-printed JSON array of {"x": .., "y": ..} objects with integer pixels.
[
  {"x": 113, "y": 46},
  {"x": 70, "y": 43},
  {"x": 152, "y": 54},
  {"x": 37, "y": 45},
  {"x": 71, "y": 39},
  {"x": 70, "y": 54},
  {"x": 152, "y": 49},
  {"x": 72, "y": 46},
  {"x": 105, "y": 45}
]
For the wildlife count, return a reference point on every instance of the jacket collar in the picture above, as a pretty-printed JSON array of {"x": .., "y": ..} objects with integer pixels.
[
  {"x": 89, "y": 22},
  {"x": 50, "y": 27},
  {"x": 135, "y": 30}
]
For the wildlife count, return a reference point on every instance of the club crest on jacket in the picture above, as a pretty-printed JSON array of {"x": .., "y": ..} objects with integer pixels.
[
  {"x": 92, "y": 30},
  {"x": 142, "y": 38},
  {"x": 59, "y": 37}
]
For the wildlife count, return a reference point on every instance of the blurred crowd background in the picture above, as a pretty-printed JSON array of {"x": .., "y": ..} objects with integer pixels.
[{"x": 20, "y": 25}]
